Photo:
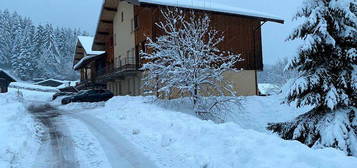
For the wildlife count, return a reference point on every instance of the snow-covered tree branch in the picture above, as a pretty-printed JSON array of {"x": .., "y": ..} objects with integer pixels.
[{"x": 186, "y": 59}]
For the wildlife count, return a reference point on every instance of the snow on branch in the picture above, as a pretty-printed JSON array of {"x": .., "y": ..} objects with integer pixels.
[{"x": 186, "y": 59}]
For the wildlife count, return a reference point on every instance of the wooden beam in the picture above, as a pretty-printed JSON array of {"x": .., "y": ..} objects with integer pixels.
[
  {"x": 135, "y": 2},
  {"x": 110, "y": 9},
  {"x": 107, "y": 21},
  {"x": 103, "y": 33},
  {"x": 99, "y": 43}
]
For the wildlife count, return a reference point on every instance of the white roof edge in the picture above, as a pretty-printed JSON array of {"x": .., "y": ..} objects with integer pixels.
[
  {"x": 87, "y": 43},
  {"x": 51, "y": 79},
  {"x": 80, "y": 62},
  {"x": 214, "y": 6}
]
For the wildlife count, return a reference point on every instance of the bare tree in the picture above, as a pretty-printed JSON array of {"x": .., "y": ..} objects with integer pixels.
[{"x": 186, "y": 60}]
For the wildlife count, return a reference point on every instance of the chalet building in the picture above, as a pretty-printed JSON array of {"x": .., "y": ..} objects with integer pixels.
[
  {"x": 90, "y": 63},
  {"x": 5, "y": 80},
  {"x": 124, "y": 26}
]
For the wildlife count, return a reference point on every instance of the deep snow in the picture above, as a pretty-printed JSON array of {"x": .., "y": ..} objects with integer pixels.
[
  {"x": 175, "y": 139},
  {"x": 167, "y": 137}
]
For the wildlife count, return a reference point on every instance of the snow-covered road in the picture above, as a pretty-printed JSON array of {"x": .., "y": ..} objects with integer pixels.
[{"x": 57, "y": 150}]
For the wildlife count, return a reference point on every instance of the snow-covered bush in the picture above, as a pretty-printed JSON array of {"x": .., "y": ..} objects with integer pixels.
[
  {"x": 186, "y": 61},
  {"x": 327, "y": 76}
]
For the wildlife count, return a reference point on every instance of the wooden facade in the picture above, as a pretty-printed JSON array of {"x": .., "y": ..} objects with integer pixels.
[{"x": 242, "y": 36}]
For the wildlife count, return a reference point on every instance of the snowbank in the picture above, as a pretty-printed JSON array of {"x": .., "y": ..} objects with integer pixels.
[
  {"x": 174, "y": 139},
  {"x": 18, "y": 130}
]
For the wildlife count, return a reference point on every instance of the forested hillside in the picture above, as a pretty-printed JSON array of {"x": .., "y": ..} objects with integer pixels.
[{"x": 36, "y": 51}]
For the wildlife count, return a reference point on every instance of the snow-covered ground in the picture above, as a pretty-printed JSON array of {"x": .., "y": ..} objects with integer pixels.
[
  {"x": 134, "y": 131},
  {"x": 18, "y": 131},
  {"x": 174, "y": 139}
]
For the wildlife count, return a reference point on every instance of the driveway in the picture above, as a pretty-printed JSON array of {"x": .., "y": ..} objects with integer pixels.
[{"x": 58, "y": 151}]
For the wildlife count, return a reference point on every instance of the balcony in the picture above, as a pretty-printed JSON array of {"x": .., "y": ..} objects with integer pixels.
[{"x": 125, "y": 67}]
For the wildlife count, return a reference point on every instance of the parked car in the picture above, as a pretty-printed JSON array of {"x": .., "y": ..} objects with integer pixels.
[
  {"x": 61, "y": 94},
  {"x": 89, "y": 96}
]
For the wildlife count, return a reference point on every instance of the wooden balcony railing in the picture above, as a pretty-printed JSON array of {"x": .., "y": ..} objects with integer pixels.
[{"x": 126, "y": 66}]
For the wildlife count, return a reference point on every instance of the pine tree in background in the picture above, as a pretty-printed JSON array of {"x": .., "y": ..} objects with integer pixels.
[
  {"x": 23, "y": 62},
  {"x": 327, "y": 66},
  {"x": 8, "y": 28},
  {"x": 42, "y": 51}
]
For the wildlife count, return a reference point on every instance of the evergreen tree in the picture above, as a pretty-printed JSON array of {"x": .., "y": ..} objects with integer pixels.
[
  {"x": 327, "y": 66},
  {"x": 41, "y": 51},
  {"x": 9, "y": 27}
]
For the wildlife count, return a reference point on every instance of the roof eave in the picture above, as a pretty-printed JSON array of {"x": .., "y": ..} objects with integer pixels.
[
  {"x": 99, "y": 45},
  {"x": 108, "y": 8}
]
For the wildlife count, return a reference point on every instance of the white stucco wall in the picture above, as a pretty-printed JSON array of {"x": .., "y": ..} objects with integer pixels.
[{"x": 124, "y": 38}]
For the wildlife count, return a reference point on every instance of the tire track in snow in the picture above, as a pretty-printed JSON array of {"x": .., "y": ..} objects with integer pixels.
[
  {"x": 58, "y": 151},
  {"x": 119, "y": 151}
]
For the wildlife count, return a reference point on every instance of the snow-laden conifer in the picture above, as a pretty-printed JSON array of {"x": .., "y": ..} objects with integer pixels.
[
  {"x": 36, "y": 51},
  {"x": 327, "y": 76}
]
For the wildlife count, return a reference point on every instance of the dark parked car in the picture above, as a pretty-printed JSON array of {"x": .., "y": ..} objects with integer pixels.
[
  {"x": 60, "y": 94},
  {"x": 89, "y": 96}
]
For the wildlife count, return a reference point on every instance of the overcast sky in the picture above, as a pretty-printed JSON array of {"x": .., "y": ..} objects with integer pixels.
[{"x": 84, "y": 14}]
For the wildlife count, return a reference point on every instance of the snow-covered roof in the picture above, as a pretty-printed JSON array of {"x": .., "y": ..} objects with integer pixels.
[
  {"x": 87, "y": 43},
  {"x": 9, "y": 75},
  {"x": 216, "y": 6},
  {"x": 49, "y": 80},
  {"x": 85, "y": 60}
]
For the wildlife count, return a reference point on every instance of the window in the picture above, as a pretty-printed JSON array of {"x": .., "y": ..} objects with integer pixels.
[
  {"x": 134, "y": 24},
  {"x": 128, "y": 54},
  {"x": 122, "y": 16},
  {"x": 133, "y": 87},
  {"x": 120, "y": 88},
  {"x": 137, "y": 51},
  {"x": 133, "y": 53},
  {"x": 115, "y": 39},
  {"x": 129, "y": 88},
  {"x": 119, "y": 61}
]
